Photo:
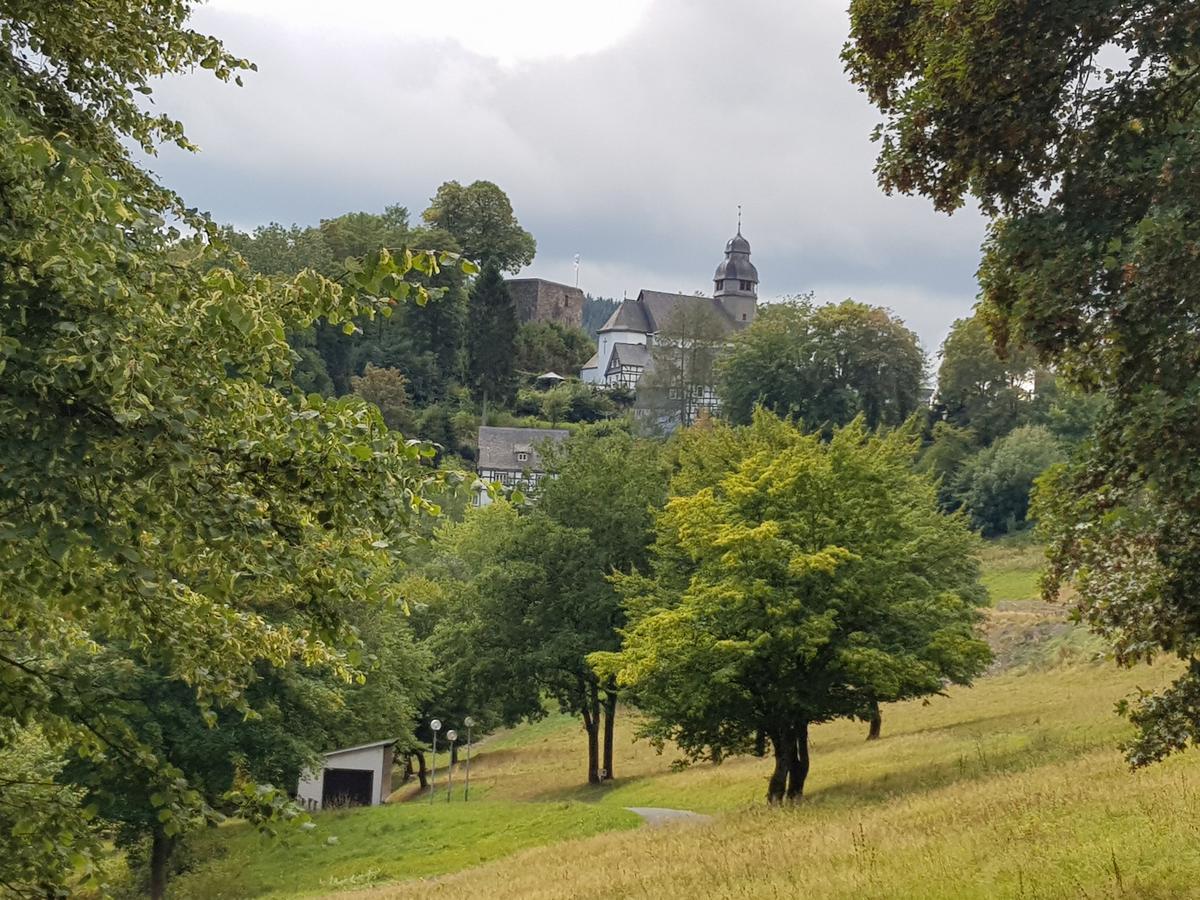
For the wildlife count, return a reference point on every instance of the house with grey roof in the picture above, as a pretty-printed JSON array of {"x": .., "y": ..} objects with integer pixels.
[
  {"x": 626, "y": 342},
  {"x": 513, "y": 458}
]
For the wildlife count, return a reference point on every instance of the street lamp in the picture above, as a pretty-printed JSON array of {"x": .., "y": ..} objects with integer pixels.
[
  {"x": 451, "y": 736},
  {"x": 435, "y": 726},
  {"x": 468, "y": 721}
]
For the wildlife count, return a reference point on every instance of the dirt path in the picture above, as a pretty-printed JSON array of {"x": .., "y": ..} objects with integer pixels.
[{"x": 656, "y": 816}]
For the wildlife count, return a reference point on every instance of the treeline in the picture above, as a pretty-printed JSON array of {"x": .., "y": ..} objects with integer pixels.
[
  {"x": 428, "y": 367},
  {"x": 990, "y": 427}
]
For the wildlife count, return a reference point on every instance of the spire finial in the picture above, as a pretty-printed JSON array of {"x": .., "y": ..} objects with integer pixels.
[{"x": 739, "y": 218}]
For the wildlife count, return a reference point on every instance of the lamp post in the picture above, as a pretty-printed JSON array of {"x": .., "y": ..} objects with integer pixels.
[
  {"x": 451, "y": 736},
  {"x": 468, "y": 721},
  {"x": 435, "y": 726}
]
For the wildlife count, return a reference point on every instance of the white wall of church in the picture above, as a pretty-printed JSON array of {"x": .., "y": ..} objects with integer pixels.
[{"x": 607, "y": 341}]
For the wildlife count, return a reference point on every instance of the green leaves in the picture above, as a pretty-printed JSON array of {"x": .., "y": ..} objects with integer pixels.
[
  {"x": 174, "y": 531},
  {"x": 1091, "y": 261},
  {"x": 788, "y": 588}
]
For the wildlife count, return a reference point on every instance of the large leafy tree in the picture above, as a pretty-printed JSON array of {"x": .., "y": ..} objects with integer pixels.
[
  {"x": 480, "y": 218},
  {"x": 159, "y": 497},
  {"x": 542, "y": 347},
  {"x": 608, "y": 484},
  {"x": 823, "y": 365},
  {"x": 1075, "y": 125},
  {"x": 995, "y": 484},
  {"x": 530, "y": 595},
  {"x": 977, "y": 389},
  {"x": 386, "y": 389},
  {"x": 794, "y": 581}
]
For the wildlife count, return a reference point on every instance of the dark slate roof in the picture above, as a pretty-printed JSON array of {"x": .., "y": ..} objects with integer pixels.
[
  {"x": 738, "y": 267},
  {"x": 628, "y": 355},
  {"x": 629, "y": 316},
  {"x": 498, "y": 447},
  {"x": 737, "y": 244},
  {"x": 652, "y": 311},
  {"x": 737, "y": 261},
  {"x": 660, "y": 306},
  {"x": 594, "y": 362}
]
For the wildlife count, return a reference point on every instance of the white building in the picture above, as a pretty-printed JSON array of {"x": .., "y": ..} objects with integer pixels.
[
  {"x": 512, "y": 457},
  {"x": 627, "y": 339},
  {"x": 355, "y": 776}
]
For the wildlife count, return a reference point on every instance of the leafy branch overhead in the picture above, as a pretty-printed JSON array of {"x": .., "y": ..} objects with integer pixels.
[
  {"x": 164, "y": 509},
  {"x": 1074, "y": 125}
]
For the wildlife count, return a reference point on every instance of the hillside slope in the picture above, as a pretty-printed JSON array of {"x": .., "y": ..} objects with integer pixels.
[{"x": 1011, "y": 788}]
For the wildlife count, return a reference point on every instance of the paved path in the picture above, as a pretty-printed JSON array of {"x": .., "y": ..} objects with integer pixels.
[{"x": 656, "y": 816}]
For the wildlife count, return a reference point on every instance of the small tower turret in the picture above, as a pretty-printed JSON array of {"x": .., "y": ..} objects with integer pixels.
[{"x": 735, "y": 284}]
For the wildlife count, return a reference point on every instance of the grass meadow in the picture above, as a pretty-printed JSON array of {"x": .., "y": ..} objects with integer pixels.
[{"x": 1013, "y": 788}]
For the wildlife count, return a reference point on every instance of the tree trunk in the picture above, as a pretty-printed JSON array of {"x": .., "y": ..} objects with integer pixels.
[
  {"x": 876, "y": 723},
  {"x": 422, "y": 769},
  {"x": 784, "y": 743},
  {"x": 610, "y": 717},
  {"x": 760, "y": 743},
  {"x": 591, "y": 724},
  {"x": 407, "y": 774},
  {"x": 161, "y": 847},
  {"x": 798, "y": 771},
  {"x": 454, "y": 754}
]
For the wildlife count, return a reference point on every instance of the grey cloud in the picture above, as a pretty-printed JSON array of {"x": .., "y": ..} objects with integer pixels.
[{"x": 635, "y": 157}]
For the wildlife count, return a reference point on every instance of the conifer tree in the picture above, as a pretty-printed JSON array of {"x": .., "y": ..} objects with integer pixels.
[{"x": 493, "y": 331}]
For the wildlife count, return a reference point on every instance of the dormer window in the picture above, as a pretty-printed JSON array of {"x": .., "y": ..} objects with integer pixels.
[{"x": 522, "y": 456}]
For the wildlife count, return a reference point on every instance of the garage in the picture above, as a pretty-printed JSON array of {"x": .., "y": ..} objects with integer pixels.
[{"x": 353, "y": 776}]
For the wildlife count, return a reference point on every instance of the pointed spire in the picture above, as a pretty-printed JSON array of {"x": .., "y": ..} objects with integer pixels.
[{"x": 739, "y": 218}]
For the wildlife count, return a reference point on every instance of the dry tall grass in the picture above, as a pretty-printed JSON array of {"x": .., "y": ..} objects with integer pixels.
[{"x": 1010, "y": 789}]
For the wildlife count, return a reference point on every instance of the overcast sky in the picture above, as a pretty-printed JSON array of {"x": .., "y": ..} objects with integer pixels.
[{"x": 627, "y": 131}]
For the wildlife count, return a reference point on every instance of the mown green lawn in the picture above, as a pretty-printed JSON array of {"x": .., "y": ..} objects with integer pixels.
[{"x": 364, "y": 847}]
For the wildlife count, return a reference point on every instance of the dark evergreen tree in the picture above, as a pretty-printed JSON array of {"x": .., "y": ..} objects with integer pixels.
[{"x": 492, "y": 337}]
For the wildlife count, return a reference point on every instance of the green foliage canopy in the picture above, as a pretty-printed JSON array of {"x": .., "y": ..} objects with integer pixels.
[
  {"x": 794, "y": 581},
  {"x": 823, "y": 365},
  {"x": 480, "y": 218},
  {"x": 1075, "y": 123},
  {"x": 995, "y": 485},
  {"x": 160, "y": 499},
  {"x": 491, "y": 335}
]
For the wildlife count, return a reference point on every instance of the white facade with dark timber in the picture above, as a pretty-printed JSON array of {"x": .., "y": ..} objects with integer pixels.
[
  {"x": 626, "y": 342},
  {"x": 512, "y": 457}
]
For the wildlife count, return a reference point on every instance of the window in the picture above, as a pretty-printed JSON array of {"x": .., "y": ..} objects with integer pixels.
[
  {"x": 743, "y": 317},
  {"x": 747, "y": 286},
  {"x": 522, "y": 457}
]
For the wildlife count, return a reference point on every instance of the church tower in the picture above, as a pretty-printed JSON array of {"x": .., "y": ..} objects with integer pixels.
[{"x": 735, "y": 284}]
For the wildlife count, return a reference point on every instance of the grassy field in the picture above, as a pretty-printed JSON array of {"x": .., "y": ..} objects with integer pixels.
[
  {"x": 367, "y": 846},
  {"x": 1012, "y": 788},
  {"x": 1012, "y": 566}
]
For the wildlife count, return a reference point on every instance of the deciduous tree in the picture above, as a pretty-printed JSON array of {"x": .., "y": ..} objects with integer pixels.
[
  {"x": 794, "y": 581},
  {"x": 823, "y": 365},
  {"x": 159, "y": 496},
  {"x": 480, "y": 217},
  {"x": 1074, "y": 125}
]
